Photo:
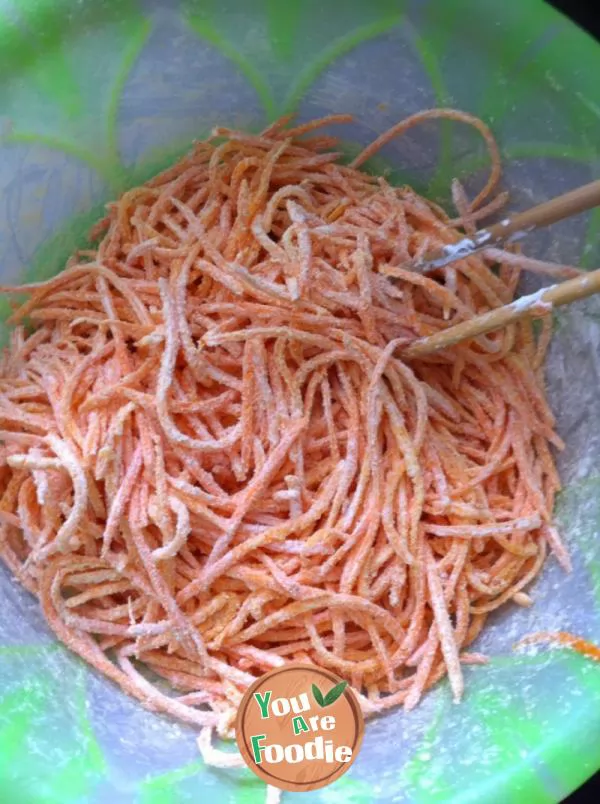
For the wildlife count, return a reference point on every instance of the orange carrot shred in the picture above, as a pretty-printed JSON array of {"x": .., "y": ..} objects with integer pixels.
[{"x": 576, "y": 643}]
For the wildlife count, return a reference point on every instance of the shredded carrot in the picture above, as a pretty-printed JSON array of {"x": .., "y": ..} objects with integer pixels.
[
  {"x": 214, "y": 460},
  {"x": 576, "y": 643}
]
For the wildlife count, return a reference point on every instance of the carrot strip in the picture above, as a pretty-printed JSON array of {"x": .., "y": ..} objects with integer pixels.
[{"x": 565, "y": 639}]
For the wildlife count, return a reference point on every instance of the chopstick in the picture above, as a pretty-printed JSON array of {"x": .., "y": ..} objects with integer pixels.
[
  {"x": 514, "y": 227},
  {"x": 533, "y": 305}
]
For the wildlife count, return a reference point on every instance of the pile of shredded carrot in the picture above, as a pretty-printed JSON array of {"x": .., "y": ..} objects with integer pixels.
[{"x": 214, "y": 460}]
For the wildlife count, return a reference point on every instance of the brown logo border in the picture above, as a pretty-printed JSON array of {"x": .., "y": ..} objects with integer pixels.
[{"x": 271, "y": 778}]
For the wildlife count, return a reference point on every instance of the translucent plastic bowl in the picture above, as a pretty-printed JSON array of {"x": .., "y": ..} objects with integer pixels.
[{"x": 96, "y": 96}]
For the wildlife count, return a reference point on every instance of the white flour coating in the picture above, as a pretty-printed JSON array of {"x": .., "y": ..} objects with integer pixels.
[
  {"x": 469, "y": 246},
  {"x": 519, "y": 234},
  {"x": 533, "y": 300},
  {"x": 461, "y": 250},
  {"x": 543, "y": 307}
]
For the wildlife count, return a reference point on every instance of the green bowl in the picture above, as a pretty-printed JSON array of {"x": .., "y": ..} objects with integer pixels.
[{"x": 97, "y": 95}]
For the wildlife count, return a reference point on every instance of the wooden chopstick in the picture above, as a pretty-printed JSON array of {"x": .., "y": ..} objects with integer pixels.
[
  {"x": 533, "y": 305},
  {"x": 514, "y": 227}
]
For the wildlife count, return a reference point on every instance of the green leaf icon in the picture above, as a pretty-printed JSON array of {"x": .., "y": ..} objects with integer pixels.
[
  {"x": 335, "y": 692},
  {"x": 331, "y": 697},
  {"x": 318, "y": 695}
]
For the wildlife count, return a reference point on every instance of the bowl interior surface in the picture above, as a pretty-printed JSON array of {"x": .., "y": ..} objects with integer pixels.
[{"x": 95, "y": 97}]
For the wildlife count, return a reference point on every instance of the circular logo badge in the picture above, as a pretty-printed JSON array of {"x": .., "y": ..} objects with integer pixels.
[{"x": 299, "y": 727}]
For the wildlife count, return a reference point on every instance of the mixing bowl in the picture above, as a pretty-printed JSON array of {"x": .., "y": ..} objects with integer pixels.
[{"x": 97, "y": 95}]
